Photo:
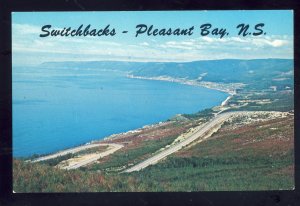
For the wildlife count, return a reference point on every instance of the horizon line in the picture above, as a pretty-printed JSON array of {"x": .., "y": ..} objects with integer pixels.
[{"x": 137, "y": 61}]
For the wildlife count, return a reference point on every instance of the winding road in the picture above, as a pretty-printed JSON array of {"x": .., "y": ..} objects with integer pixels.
[
  {"x": 200, "y": 133},
  {"x": 87, "y": 159},
  {"x": 204, "y": 131},
  {"x": 112, "y": 149}
]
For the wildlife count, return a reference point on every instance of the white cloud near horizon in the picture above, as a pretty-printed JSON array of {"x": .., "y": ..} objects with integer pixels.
[{"x": 27, "y": 46}]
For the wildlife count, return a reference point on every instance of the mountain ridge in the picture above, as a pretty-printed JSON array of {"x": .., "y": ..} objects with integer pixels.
[{"x": 222, "y": 71}]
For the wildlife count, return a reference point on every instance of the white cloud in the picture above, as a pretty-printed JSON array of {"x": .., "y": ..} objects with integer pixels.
[
  {"x": 25, "y": 29},
  {"x": 269, "y": 42},
  {"x": 208, "y": 39},
  {"x": 144, "y": 44},
  {"x": 26, "y": 41},
  {"x": 279, "y": 43},
  {"x": 231, "y": 43}
]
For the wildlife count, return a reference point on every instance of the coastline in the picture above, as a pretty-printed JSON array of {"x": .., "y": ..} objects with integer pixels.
[
  {"x": 230, "y": 89},
  {"x": 210, "y": 85}
]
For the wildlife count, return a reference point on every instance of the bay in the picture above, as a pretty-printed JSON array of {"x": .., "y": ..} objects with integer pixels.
[{"x": 55, "y": 109}]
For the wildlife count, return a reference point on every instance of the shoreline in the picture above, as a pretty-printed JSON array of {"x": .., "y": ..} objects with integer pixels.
[
  {"x": 229, "y": 88},
  {"x": 209, "y": 85}
]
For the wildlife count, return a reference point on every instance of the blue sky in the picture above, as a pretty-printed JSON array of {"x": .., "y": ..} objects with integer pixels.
[{"x": 30, "y": 49}]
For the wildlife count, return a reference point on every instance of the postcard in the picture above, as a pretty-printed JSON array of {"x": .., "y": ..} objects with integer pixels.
[{"x": 153, "y": 101}]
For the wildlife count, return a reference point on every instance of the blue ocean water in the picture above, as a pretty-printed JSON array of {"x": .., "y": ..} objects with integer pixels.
[{"x": 55, "y": 109}]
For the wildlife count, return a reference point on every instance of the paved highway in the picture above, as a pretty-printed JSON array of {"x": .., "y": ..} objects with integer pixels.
[{"x": 202, "y": 131}]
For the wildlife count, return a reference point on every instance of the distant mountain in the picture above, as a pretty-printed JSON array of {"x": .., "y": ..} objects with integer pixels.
[
  {"x": 107, "y": 65},
  {"x": 223, "y": 71}
]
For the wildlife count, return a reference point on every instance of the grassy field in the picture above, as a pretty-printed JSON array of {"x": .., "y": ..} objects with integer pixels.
[
  {"x": 259, "y": 156},
  {"x": 57, "y": 160},
  {"x": 253, "y": 157},
  {"x": 130, "y": 156}
]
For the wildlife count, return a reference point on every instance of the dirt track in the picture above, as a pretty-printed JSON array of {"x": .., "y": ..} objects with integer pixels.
[
  {"x": 112, "y": 149},
  {"x": 83, "y": 160}
]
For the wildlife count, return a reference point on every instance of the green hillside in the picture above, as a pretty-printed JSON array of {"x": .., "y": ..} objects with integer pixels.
[{"x": 251, "y": 157}]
